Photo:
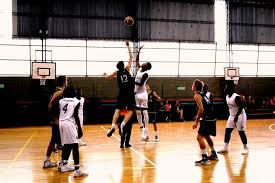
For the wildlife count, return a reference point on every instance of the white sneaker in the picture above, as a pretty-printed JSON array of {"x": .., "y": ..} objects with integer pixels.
[
  {"x": 223, "y": 151},
  {"x": 67, "y": 168},
  {"x": 80, "y": 173},
  {"x": 156, "y": 138},
  {"x": 245, "y": 151},
  {"x": 81, "y": 143},
  {"x": 49, "y": 164}
]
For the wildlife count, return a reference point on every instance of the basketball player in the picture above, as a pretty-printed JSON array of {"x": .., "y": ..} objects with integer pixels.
[
  {"x": 80, "y": 112},
  {"x": 126, "y": 97},
  {"x": 152, "y": 107},
  {"x": 237, "y": 118},
  {"x": 141, "y": 96},
  {"x": 70, "y": 131},
  {"x": 53, "y": 107},
  {"x": 205, "y": 129}
]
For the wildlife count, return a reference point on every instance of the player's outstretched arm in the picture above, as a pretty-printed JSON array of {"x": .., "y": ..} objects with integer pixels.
[
  {"x": 109, "y": 77},
  {"x": 137, "y": 57},
  {"x": 130, "y": 61}
]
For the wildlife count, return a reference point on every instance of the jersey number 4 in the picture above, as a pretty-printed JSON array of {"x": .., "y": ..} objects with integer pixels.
[{"x": 65, "y": 108}]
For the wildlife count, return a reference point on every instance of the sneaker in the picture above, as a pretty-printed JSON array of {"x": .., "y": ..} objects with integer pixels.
[
  {"x": 203, "y": 161},
  {"x": 67, "y": 168},
  {"x": 245, "y": 151},
  {"x": 213, "y": 156},
  {"x": 145, "y": 138},
  {"x": 81, "y": 143},
  {"x": 121, "y": 146},
  {"x": 128, "y": 145},
  {"x": 222, "y": 151},
  {"x": 80, "y": 173},
  {"x": 111, "y": 131},
  {"x": 156, "y": 138},
  {"x": 49, "y": 164}
]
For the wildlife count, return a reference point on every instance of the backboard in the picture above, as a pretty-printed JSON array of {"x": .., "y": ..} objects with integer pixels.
[
  {"x": 43, "y": 70},
  {"x": 232, "y": 73}
]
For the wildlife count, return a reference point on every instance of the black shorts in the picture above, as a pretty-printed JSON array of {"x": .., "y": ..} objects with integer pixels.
[
  {"x": 55, "y": 139},
  {"x": 126, "y": 102},
  {"x": 207, "y": 127}
]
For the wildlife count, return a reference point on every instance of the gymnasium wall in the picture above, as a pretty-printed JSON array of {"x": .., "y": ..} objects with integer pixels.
[{"x": 24, "y": 101}]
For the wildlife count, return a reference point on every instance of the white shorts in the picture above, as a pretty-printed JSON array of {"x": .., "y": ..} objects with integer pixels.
[
  {"x": 141, "y": 100},
  {"x": 240, "y": 124},
  {"x": 68, "y": 132}
]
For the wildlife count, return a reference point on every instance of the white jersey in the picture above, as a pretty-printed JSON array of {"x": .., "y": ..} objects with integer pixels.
[
  {"x": 67, "y": 106},
  {"x": 80, "y": 110},
  {"x": 141, "y": 95},
  {"x": 140, "y": 89},
  {"x": 67, "y": 124},
  {"x": 233, "y": 107}
]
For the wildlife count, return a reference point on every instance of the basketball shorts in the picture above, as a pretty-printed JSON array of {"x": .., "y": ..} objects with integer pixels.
[
  {"x": 141, "y": 100},
  {"x": 126, "y": 102},
  {"x": 68, "y": 132},
  {"x": 240, "y": 124},
  {"x": 207, "y": 127}
]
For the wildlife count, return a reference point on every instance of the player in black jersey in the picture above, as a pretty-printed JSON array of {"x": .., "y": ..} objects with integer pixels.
[
  {"x": 205, "y": 128},
  {"x": 53, "y": 107},
  {"x": 126, "y": 97},
  {"x": 152, "y": 108}
]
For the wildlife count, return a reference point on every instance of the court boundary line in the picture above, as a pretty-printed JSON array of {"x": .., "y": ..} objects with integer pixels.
[
  {"x": 20, "y": 151},
  {"x": 132, "y": 149},
  {"x": 270, "y": 127}
]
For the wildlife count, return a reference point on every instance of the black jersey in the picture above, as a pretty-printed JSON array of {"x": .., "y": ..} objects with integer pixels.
[
  {"x": 152, "y": 102},
  {"x": 208, "y": 112},
  {"x": 125, "y": 83},
  {"x": 55, "y": 108}
]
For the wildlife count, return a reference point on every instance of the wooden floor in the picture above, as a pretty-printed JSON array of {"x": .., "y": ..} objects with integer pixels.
[{"x": 171, "y": 160}]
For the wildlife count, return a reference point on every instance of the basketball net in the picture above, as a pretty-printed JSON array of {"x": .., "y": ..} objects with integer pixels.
[{"x": 43, "y": 81}]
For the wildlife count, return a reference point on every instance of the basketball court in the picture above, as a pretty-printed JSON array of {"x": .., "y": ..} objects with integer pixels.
[{"x": 170, "y": 160}]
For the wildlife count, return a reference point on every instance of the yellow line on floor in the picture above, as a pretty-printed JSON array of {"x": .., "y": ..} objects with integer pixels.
[{"x": 20, "y": 151}]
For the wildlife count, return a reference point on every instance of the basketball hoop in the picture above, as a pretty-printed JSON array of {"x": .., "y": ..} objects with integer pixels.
[{"x": 43, "y": 81}]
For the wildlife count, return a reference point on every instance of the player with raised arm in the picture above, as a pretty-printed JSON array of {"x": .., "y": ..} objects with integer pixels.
[
  {"x": 126, "y": 97},
  {"x": 141, "y": 95}
]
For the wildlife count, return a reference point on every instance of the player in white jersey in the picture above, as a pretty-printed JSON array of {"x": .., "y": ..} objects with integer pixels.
[
  {"x": 80, "y": 111},
  {"x": 141, "y": 95},
  {"x": 237, "y": 118},
  {"x": 70, "y": 131}
]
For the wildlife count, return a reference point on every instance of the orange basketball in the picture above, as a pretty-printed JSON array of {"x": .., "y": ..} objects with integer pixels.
[{"x": 129, "y": 21}]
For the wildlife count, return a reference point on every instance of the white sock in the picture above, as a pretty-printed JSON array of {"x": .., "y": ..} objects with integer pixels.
[
  {"x": 212, "y": 148},
  {"x": 47, "y": 158},
  {"x": 122, "y": 123},
  {"x": 156, "y": 133},
  {"x": 203, "y": 151},
  {"x": 225, "y": 146},
  {"x": 245, "y": 146},
  {"x": 113, "y": 125}
]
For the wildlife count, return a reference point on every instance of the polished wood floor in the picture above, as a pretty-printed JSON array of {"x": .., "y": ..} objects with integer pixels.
[{"x": 171, "y": 160}]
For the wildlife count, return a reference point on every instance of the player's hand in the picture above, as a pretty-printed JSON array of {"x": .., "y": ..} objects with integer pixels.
[
  {"x": 195, "y": 125},
  {"x": 56, "y": 121},
  {"x": 141, "y": 47},
  {"x": 127, "y": 43},
  {"x": 80, "y": 133}
]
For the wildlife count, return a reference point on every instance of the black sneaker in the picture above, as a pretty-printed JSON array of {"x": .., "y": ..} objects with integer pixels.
[
  {"x": 128, "y": 145},
  {"x": 121, "y": 146},
  {"x": 213, "y": 157},
  {"x": 203, "y": 161},
  {"x": 112, "y": 130}
]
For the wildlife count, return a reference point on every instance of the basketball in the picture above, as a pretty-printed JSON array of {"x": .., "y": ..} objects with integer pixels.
[{"x": 129, "y": 21}]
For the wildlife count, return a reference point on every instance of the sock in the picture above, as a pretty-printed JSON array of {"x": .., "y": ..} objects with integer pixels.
[
  {"x": 122, "y": 124},
  {"x": 47, "y": 158},
  {"x": 76, "y": 167},
  {"x": 156, "y": 133},
  {"x": 203, "y": 151},
  {"x": 225, "y": 146},
  {"x": 113, "y": 125},
  {"x": 245, "y": 146},
  {"x": 212, "y": 149}
]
